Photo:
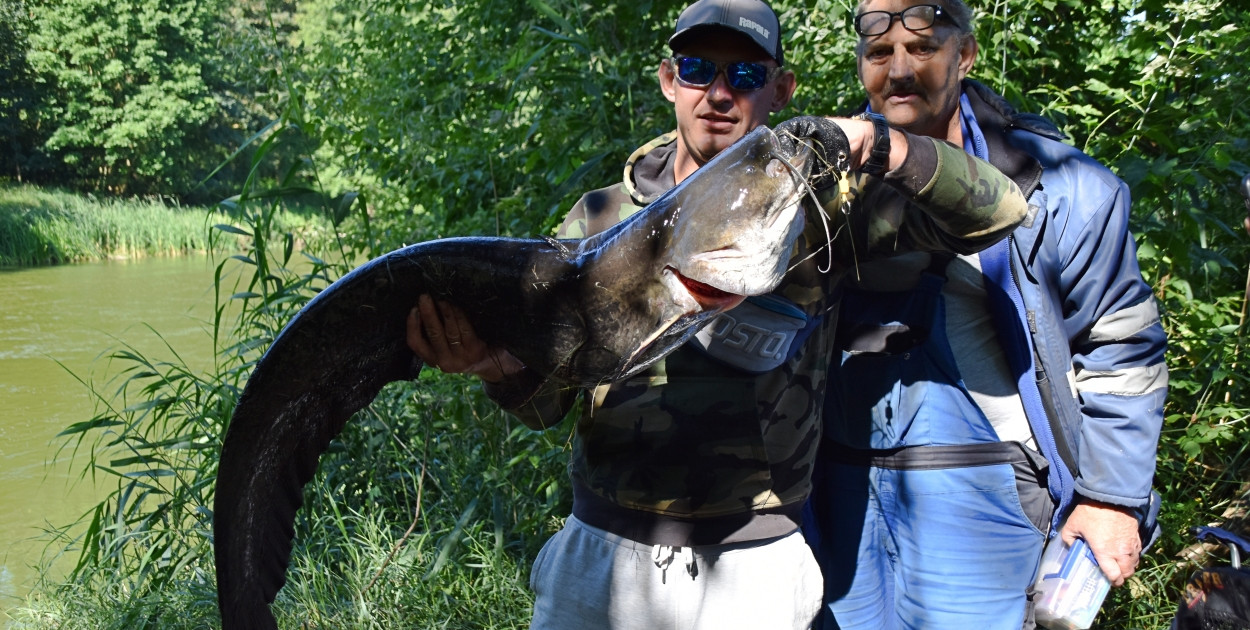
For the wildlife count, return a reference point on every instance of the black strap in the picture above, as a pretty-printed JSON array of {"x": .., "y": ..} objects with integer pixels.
[
  {"x": 932, "y": 457},
  {"x": 661, "y": 529}
]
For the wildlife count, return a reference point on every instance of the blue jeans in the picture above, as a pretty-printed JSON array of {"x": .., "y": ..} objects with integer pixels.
[{"x": 945, "y": 548}]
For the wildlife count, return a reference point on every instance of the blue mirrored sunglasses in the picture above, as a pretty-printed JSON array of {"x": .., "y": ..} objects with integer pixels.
[{"x": 744, "y": 76}]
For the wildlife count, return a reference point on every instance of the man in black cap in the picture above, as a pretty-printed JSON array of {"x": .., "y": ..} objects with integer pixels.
[
  {"x": 661, "y": 534},
  {"x": 689, "y": 478}
]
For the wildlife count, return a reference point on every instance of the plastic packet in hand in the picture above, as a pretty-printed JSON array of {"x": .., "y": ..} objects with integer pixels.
[{"x": 1069, "y": 588}]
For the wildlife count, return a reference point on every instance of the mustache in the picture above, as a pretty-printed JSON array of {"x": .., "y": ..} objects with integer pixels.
[{"x": 903, "y": 87}]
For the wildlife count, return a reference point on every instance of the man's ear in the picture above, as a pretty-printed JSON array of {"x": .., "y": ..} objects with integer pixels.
[
  {"x": 783, "y": 90},
  {"x": 668, "y": 76},
  {"x": 967, "y": 55}
]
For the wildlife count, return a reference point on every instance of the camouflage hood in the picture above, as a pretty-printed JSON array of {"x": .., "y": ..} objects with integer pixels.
[{"x": 649, "y": 170}]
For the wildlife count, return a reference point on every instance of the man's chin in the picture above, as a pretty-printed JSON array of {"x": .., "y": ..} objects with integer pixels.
[
  {"x": 900, "y": 114},
  {"x": 712, "y": 144}
]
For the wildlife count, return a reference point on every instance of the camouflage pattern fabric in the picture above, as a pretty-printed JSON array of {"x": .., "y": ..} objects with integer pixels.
[{"x": 692, "y": 438}]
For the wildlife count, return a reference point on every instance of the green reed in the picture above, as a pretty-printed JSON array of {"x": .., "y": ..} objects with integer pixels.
[
  {"x": 41, "y": 227},
  {"x": 48, "y": 227}
]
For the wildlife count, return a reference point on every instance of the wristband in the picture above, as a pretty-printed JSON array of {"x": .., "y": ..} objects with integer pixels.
[{"x": 879, "y": 159}]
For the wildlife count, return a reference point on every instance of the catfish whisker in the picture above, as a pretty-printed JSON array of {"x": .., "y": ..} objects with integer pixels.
[{"x": 810, "y": 191}]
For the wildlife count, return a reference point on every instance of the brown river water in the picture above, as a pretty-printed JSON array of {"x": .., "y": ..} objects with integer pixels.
[{"x": 55, "y": 321}]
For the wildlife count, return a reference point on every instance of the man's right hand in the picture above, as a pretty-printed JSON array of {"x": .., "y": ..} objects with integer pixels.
[
  {"x": 1111, "y": 533},
  {"x": 441, "y": 336}
]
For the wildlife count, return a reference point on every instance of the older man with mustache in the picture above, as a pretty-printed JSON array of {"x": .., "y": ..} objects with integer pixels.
[{"x": 984, "y": 404}]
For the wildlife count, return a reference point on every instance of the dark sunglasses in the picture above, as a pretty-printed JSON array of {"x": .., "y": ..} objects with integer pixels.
[
  {"x": 744, "y": 76},
  {"x": 916, "y": 18}
]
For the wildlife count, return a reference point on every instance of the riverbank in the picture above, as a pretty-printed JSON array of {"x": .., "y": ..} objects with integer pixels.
[
  {"x": 427, "y": 511},
  {"x": 49, "y": 227}
]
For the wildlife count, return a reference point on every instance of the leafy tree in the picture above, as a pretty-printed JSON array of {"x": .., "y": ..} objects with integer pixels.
[
  {"x": 483, "y": 116},
  {"x": 250, "y": 85},
  {"x": 125, "y": 90},
  {"x": 18, "y": 100}
]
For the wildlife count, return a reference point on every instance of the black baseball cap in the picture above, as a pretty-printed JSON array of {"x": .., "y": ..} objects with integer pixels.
[{"x": 753, "y": 18}]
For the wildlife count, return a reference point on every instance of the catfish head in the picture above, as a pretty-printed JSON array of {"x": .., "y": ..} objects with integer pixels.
[
  {"x": 751, "y": 199},
  {"x": 726, "y": 232}
]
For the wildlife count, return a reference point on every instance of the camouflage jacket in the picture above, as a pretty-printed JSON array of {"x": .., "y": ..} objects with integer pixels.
[{"x": 693, "y": 451}]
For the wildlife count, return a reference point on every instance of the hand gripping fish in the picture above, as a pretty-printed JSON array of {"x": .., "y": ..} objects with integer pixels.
[{"x": 585, "y": 312}]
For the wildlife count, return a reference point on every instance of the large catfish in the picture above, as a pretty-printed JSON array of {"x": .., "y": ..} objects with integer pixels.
[{"x": 584, "y": 312}]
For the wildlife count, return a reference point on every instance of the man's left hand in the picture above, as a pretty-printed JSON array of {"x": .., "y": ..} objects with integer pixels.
[
  {"x": 441, "y": 336},
  {"x": 1111, "y": 533}
]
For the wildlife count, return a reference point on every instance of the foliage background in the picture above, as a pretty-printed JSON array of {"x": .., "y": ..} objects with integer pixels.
[{"x": 420, "y": 120}]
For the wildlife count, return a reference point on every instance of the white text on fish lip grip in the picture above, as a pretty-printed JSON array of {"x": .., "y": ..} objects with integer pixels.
[{"x": 748, "y": 338}]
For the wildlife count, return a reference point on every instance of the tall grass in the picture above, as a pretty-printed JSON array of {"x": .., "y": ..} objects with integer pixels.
[{"x": 48, "y": 227}]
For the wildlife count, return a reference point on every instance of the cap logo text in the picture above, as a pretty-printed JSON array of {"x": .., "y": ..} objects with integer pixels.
[{"x": 744, "y": 22}]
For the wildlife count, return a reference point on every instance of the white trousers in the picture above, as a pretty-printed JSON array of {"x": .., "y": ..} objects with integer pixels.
[{"x": 586, "y": 578}]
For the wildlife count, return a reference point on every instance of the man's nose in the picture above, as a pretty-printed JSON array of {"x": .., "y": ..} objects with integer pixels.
[
  {"x": 900, "y": 65},
  {"x": 718, "y": 91}
]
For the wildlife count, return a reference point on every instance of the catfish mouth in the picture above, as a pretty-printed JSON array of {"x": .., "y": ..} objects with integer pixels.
[
  {"x": 680, "y": 317},
  {"x": 708, "y": 297}
]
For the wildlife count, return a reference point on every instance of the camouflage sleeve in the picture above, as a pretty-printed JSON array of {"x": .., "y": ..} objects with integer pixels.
[
  {"x": 965, "y": 196},
  {"x": 939, "y": 199},
  {"x": 597, "y": 211}
]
